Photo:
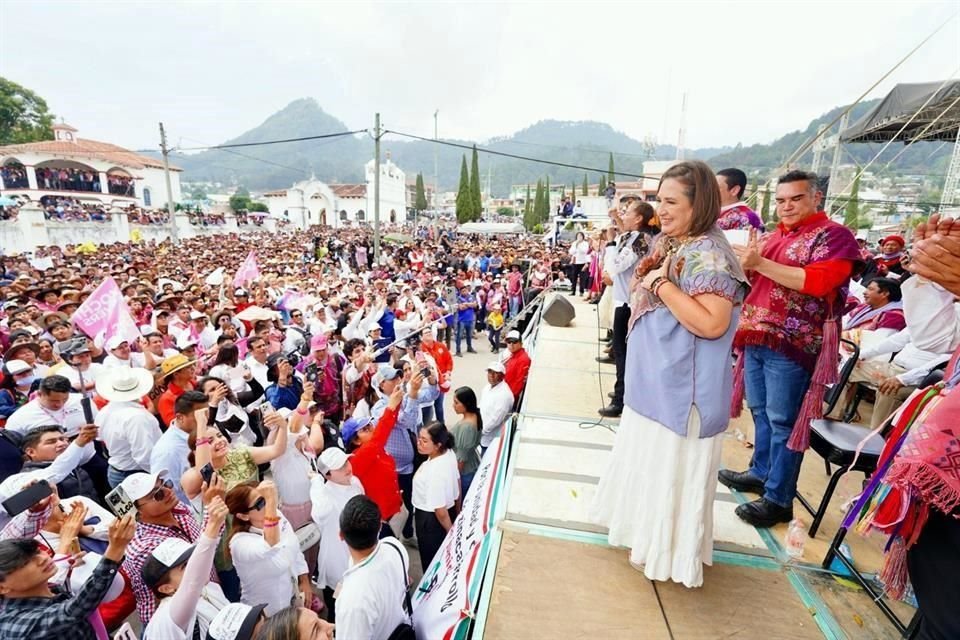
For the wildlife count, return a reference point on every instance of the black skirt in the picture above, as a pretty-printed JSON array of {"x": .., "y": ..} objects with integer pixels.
[{"x": 430, "y": 534}]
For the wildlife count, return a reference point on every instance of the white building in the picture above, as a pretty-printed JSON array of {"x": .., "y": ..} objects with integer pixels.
[
  {"x": 312, "y": 201},
  {"x": 86, "y": 170}
]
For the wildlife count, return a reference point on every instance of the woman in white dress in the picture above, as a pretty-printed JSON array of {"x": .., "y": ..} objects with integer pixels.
[{"x": 656, "y": 495}]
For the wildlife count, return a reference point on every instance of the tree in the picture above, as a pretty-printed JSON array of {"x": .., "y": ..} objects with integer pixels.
[
  {"x": 421, "y": 203},
  {"x": 611, "y": 177},
  {"x": 464, "y": 198},
  {"x": 545, "y": 213},
  {"x": 240, "y": 200},
  {"x": 602, "y": 185},
  {"x": 573, "y": 192},
  {"x": 528, "y": 220},
  {"x": 851, "y": 213},
  {"x": 506, "y": 211},
  {"x": 258, "y": 206},
  {"x": 765, "y": 211},
  {"x": 586, "y": 186},
  {"x": 475, "y": 186},
  {"x": 23, "y": 115}
]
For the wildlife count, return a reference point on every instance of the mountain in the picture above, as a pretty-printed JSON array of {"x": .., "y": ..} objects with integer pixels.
[{"x": 584, "y": 144}]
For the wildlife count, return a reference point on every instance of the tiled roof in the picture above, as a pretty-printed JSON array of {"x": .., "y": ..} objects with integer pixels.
[
  {"x": 349, "y": 190},
  {"x": 82, "y": 148},
  {"x": 275, "y": 194}
]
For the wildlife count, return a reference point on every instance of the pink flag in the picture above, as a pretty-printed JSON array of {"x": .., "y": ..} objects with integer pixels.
[
  {"x": 248, "y": 271},
  {"x": 105, "y": 314}
]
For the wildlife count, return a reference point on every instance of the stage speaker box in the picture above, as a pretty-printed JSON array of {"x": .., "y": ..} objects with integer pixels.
[{"x": 559, "y": 312}]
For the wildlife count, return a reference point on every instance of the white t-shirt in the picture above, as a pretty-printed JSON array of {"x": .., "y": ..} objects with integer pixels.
[
  {"x": 292, "y": 472},
  {"x": 328, "y": 499},
  {"x": 370, "y": 604},
  {"x": 135, "y": 360},
  {"x": 436, "y": 483},
  {"x": 90, "y": 375},
  {"x": 32, "y": 415},
  {"x": 268, "y": 575},
  {"x": 259, "y": 372}
]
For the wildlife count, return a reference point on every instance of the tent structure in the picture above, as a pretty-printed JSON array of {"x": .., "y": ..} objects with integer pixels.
[
  {"x": 914, "y": 112},
  {"x": 925, "y": 111}
]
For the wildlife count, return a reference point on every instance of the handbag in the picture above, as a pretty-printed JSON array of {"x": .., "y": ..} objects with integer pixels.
[
  {"x": 308, "y": 535},
  {"x": 404, "y": 630}
]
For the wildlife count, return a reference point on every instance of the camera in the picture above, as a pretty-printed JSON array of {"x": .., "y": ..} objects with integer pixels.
[
  {"x": 312, "y": 372},
  {"x": 293, "y": 357}
]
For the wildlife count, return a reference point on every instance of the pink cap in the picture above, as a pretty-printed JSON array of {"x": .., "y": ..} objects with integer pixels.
[{"x": 318, "y": 343}]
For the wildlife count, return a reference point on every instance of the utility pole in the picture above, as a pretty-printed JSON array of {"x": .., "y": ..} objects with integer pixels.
[
  {"x": 166, "y": 177},
  {"x": 436, "y": 170},
  {"x": 376, "y": 190}
]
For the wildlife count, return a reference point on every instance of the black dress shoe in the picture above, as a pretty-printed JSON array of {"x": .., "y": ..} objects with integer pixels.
[
  {"x": 762, "y": 513},
  {"x": 611, "y": 395},
  {"x": 606, "y": 360},
  {"x": 611, "y": 411},
  {"x": 741, "y": 481}
]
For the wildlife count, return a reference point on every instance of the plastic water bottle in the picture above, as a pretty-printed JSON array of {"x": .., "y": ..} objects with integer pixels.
[{"x": 796, "y": 536}]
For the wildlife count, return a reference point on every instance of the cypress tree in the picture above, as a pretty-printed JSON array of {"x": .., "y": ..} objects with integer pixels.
[
  {"x": 464, "y": 199},
  {"x": 586, "y": 186},
  {"x": 475, "y": 186},
  {"x": 610, "y": 173},
  {"x": 545, "y": 214},
  {"x": 421, "y": 203},
  {"x": 602, "y": 185},
  {"x": 538, "y": 203},
  {"x": 851, "y": 213},
  {"x": 765, "y": 211},
  {"x": 573, "y": 192},
  {"x": 528, "y": 211}
]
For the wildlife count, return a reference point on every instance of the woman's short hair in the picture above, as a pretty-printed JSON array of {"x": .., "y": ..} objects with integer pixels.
[{"x": 700, "y": 187}]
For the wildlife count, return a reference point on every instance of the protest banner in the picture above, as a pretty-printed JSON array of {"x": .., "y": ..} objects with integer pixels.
[{"x": 105, "y": 314}]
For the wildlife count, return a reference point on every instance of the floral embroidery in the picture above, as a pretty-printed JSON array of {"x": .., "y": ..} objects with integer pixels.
[{"x": 789, "y": 321}]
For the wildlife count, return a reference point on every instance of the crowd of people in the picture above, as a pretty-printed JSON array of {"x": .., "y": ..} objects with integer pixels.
[
  {"x": 281, "y": 442},
  {"x": 14, "y": 176}
]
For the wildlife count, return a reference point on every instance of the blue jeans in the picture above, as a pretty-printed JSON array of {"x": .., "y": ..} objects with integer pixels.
[
  {"x": 514, "y": 305},
  {"x": 465, "y": 480},
  {"x": 115, "y": 477},
  {"x": 465, "y": 329},
  {"x": 438, "y": 407},
  {"x": 775, "y": 387}
]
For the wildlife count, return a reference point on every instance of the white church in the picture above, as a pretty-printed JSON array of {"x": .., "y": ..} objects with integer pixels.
[{"x": 311, "y": 202}]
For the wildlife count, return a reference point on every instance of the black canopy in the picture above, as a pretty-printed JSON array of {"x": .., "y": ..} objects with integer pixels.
[{"x": 882, "y": 123}]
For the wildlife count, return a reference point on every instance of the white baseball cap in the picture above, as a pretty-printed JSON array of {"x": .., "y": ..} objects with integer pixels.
[
  {"x": 114, "y": 342},
  {"x": 198, "y": 315},
  {"x": 17, "y": 366},
  {"x": 185, "y": 341},
  {"x": 332, "y": 459},
  {"x": 167, "y": 555},
  {"x": 496, "y": 367},
  {"x": 140, "y": 485},
  {"x": 236, "y": 621},
  {"x": 513, "y": 335}
]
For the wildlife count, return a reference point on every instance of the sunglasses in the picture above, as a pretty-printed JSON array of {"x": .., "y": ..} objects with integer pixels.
[
  {"x": 258, "y": 505},
  {"x": 161, "y": 492}
]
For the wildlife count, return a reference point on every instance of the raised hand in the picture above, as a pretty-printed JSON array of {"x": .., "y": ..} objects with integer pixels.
[
  {"x": 120, "y": 534},
  {"x": 215, "y": 489}
]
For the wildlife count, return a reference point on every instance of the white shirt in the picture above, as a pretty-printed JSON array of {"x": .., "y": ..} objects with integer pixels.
[
  {"x": 292, "y": 471},
  {"x": 32, "y": 415},
  {"x": 328, "y": 499},
  {"x": 54, "y": 473},
  {"x": 370, "y": 604},
  {"x": 268, "y": 575},
  {"x": 436, "y": 483},
  {"x": 90, "y": 375},
  {"x": 259, "y": 371},
  {"x": 580, "y": 251},
  {"x": 135, "y": 360},
  {"x": 130, "y": 433},
  {"x": 495, "y": 405},
  {"x": 170, "y": 455},
  {"x": 621, "y": 270}
]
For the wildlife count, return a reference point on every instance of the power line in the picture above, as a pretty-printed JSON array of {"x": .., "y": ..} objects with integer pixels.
[
  {"x": 266, "y": 142},
  {"x": 519, "y": 157}
]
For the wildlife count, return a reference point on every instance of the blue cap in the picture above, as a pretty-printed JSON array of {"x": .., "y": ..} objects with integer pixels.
[{"x": 350, "y": 428}]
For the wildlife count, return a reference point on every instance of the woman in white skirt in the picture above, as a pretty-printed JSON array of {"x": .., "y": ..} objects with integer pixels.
[{"x": 656, "y": 495}]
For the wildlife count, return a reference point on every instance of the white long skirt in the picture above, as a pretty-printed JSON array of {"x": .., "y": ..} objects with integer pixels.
[{"x": 656, "y": 497}]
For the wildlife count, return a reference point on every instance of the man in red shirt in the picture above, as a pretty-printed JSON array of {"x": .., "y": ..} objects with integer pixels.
[
  {"x": 788, "y": 340},
  {"x": 517, "y": 364}
]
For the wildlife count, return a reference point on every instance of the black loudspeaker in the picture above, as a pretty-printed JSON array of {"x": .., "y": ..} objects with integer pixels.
[{"x": 559, "y": 312}]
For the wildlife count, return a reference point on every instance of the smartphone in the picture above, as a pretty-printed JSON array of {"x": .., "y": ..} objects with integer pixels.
[
  {"x": 26, "y": 498},
  {"x": 119, "y": 502},
  {"x": 266, "y": 407},
  {"x": 425, "y": 372},
  {"x": 206, "y": 472}
]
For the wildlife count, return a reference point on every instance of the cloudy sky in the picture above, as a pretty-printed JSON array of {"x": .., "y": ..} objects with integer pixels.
[{"x": 751, "y": 71}]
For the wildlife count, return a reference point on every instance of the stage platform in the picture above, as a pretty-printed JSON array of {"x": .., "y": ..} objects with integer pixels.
[{"x": 555, "y": 576}]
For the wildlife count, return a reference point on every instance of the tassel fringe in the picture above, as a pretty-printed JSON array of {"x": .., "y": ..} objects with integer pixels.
[
  {"x": 824, "y": 373},
  {"x": 736, "y": 401}
]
